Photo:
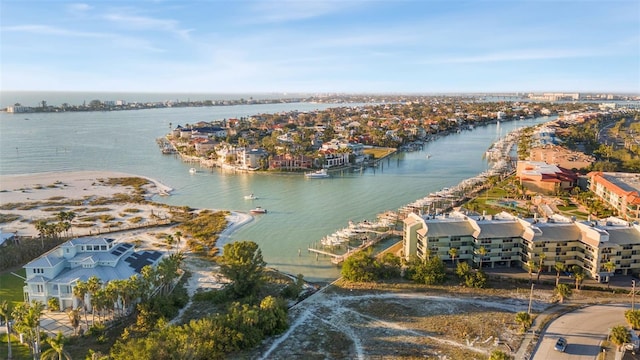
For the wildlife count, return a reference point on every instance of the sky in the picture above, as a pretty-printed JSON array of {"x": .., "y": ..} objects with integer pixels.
[{"x": 321, "y": 46}]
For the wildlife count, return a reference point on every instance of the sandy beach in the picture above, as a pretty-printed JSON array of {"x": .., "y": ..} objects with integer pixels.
[
  {"x": 25, "y": 199},
  {"x": 38, "y": 195}
]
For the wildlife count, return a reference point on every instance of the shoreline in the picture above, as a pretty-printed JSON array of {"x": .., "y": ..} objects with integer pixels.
[{"x": 20, "y": 193}]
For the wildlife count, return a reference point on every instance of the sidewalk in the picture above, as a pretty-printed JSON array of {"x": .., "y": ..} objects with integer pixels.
[{"x": 531, "y": 337}]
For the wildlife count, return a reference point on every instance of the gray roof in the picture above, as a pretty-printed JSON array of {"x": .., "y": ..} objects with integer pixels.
[
  {"x": 499, "y": 229},
  {"x": 45, "y": 261},
  {"x": 438, "y": 228},
  {"x": 557, "y": 232},
  {"x": 88, "y": 241},
  {"x": 623, "y": 235}
]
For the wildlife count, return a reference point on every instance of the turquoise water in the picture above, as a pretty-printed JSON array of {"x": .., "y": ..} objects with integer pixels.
[{"x": 301, "y": 211}]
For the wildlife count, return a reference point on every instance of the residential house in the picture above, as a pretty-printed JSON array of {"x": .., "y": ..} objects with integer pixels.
[{"x": 55, "y": 274}]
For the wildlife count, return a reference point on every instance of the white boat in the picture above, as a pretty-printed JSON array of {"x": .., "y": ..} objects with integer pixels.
[
  {"x": 258, "y": 210},
  {"x": 250, "y": 197},
  {"x": 428, "y": 156},
  {"x": 193, "y": 170},
  {"x": 317, "y": 174}
]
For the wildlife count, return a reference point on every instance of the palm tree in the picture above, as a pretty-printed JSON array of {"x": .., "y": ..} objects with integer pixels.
[
  {"x": 579, "y": 275},
  {"x": 170, "y": 241},
  {"x": 453, "y": 252},
  {"x": 560, "y": 267},
  {"x": 531, "y": 267},
  {"x": 27, "y": 317},
  {"x": 524, "y": 319},
  {"x": 80, "y": 291},
  {"x": 541, "y": 258},
  {"x": 562, "y": 291},
  {"x": 5, "y": 312},
  {"x": 482, "y": 251},
  {"x": 57, "y": 349},
  {"x": 93, "y": 285},
  {"x": 619, "y": 335},
  {"x": 610, "y": 267},
  {"x": 74, "y": 319}
]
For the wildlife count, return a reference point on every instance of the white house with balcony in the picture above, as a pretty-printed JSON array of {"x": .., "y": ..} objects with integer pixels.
[{"x": 55, "y": 274}]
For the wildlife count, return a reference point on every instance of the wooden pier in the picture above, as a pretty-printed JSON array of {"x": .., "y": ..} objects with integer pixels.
[{"x": 338, "y": 259}]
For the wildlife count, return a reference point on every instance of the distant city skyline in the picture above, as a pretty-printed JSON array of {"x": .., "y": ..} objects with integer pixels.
[{"x": 321, "y": 46}]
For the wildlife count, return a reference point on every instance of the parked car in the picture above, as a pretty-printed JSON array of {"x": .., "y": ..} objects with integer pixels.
[{"x": 561, "y": 344}]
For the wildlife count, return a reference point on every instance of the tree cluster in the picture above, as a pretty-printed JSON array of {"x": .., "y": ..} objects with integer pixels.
[{"x": 364, "y": 267}]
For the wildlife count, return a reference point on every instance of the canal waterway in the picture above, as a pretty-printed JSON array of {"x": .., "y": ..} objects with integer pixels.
[{"x": 300, "y": 211}]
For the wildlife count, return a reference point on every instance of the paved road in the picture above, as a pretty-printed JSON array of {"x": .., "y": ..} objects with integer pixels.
[{"x": 584, "y": 329}]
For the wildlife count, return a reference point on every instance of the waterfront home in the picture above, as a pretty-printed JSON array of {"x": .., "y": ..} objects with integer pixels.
[
  {"x": 510, "y": 241},
  {"x": 290, "y": 162},
  {"x": 55, "y": 274},
  {"x": 252, "y": 159}
]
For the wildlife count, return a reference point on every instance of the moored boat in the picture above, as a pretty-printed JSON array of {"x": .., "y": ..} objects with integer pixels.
[
  {"x": 193, "y": 170},
  {"x": 317, "y": 174},
  {"x": 250, "y": 197},
  {"x": 258, "y": 210}
]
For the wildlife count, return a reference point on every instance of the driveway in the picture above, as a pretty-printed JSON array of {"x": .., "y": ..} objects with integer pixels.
[{"x": 584, "y": 330}]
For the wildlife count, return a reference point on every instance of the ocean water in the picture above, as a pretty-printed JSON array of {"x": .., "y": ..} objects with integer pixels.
[{"x": 300, "y": 211}]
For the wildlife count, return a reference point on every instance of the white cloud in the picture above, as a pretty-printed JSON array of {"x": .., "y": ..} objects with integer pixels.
[
  {"x": 51, "y": 30},
  {"x": 295, "y": 10},
  {"x": 149, "y": 23},
  {"x": 79, "y": 7},
  {"x": 516, "y": 55}
]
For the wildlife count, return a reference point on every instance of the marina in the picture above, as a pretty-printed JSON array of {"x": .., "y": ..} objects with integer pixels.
[
  {"x": 320, "y": 174},
  {"x": 441, "y": 201}
]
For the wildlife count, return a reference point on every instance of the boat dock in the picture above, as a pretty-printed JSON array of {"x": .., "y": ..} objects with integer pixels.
[
  {"x": 339, "y": 258},
  {"x": 370, "y": 233}
]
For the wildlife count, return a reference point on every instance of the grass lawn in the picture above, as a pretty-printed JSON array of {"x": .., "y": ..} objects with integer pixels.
[
  {"x": 379, "y": 153},
  {"x": 19, "y": 351},
  {"x": 11, "y": 287}
]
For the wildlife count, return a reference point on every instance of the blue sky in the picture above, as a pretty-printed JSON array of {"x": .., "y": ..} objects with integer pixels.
[{"x": 380, "y": 46}]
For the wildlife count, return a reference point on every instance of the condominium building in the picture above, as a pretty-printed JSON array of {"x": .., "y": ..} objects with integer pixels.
[
  {"x": 620, "y": 190},
  {"x": 509, "y": 241}
]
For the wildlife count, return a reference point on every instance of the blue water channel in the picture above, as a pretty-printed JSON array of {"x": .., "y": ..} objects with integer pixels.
[{"x": 300, "y": 211}]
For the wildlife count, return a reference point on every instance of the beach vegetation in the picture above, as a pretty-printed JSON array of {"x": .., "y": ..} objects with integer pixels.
[
  {"x": 106, "y": 218},
  {"x": 242, "y": 263},
  {"x": 135, "y": 220},
  {"x": 364, "y": 266},
  {"x": 54, "y": 209},
  {"x": 431, "y": 271},
  {"x": 7, "y": 218},
  {"x": 204, "y": 227},
  {"x": 132, "y": 210},
  {"x": 98, "y": 209}
]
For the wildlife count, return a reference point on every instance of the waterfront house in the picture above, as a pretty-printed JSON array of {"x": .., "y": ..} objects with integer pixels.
[
  {"x": 290, "y": 162},
  {"x": 55, "y": 274}
]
